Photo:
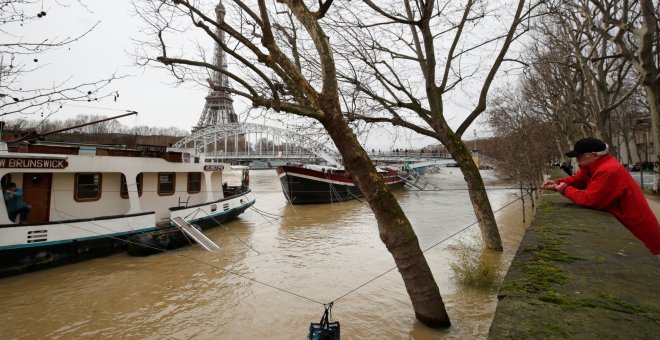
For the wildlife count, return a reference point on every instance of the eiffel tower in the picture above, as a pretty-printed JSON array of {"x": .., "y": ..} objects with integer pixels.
[{"x": 218, "y": 109}]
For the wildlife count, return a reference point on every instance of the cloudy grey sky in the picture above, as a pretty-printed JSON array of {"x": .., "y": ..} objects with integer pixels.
[{"x": 107, "y": 50}]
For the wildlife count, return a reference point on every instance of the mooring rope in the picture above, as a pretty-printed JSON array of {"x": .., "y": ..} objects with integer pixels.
[
  {"x": 186, "y": 256},
  {"x": 266, "y": 215},
  {"x": 333, "y": 190},
  {"x": 288, "y": 198},
  {"x": 357, "y": 198},
  {"x": 231, "y": 232}
]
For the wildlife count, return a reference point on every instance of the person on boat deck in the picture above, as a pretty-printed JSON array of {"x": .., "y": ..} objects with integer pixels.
[
  {"x": 15, "y": 203},
  {"x": 602, "y": 183}
]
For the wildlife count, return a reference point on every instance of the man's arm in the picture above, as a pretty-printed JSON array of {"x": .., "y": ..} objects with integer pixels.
[
  {"x": 601, "y": 192},
  {"x": 579, "y": 180}
]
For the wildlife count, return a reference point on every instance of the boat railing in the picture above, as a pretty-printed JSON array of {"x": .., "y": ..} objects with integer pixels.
[
  {"x": 236, "y": 193},
  {"x": 65, "y": 148}
]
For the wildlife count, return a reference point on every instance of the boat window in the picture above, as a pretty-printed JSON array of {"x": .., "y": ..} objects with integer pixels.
[
  {"x": 88, "y": 187},
  {"x": 165, "y": 183},
  {"x": 194, "y": 182},
  {"x": 124, "y": 188}
]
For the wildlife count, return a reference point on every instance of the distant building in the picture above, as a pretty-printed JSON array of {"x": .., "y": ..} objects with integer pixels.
[{"x": 638, "y": 148}]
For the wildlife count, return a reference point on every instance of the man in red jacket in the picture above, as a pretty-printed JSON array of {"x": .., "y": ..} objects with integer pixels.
[{"x": 604, "y": 184}]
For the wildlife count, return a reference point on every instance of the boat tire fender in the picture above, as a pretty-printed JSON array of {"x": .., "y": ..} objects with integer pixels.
[{"x": 162, "y": 240}]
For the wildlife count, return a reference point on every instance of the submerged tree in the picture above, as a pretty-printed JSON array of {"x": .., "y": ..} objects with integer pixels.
[
  {"x": 285, "y": 62},
  {"x": 409, "y": 62}
]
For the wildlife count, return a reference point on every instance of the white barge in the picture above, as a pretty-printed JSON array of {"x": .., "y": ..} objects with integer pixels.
[{"x": 90, "y": 201}]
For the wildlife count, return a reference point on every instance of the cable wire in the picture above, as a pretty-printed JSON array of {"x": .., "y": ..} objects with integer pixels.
[
  {"x": 252, "y": 279},
  {"x": 424, "y": 251},
  {"x": 186, "y": 256}
]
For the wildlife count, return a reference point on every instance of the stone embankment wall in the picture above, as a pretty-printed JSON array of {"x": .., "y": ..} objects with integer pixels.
[{"x": 578, "y": 274}]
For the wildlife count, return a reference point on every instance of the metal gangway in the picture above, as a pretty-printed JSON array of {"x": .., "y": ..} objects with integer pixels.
[
  {"x": 195, "y": 234},
  {"x": 413, "y": 179}
]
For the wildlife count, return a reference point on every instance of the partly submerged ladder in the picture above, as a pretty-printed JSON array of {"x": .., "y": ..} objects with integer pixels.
[
  {"x": 195, "y": 234},
  {"x": 413, "y": 179}
]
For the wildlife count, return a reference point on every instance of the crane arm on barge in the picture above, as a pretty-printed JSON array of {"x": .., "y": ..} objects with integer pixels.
[{"x": 34, "y": 136}]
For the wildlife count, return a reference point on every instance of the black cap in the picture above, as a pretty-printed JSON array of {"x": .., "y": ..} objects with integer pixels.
[{"x": 585, "y": 145}]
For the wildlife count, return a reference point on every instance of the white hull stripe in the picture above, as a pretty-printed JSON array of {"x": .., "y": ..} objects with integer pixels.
[
  {"x": 318, "y": 179},
  {"x": 42, "y": 244},
  {"x": 224, "y": 212},
  {"x": 136, "y": 231}
]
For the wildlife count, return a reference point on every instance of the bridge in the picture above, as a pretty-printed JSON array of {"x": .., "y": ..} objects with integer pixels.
[
  {"x": 238, "y": 143},
  {"x": 243, "y": 142}
]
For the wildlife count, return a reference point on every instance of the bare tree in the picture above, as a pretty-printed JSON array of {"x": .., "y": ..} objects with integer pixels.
[
  {"x": 633, "y": 29},
  {"x": 605, "y": 78},
  {"x": 522, "y": 159},
  {"x": 553, "y": 88},
  {"x": 408, "y": 62},
  {"x": 627, "y": 130},
  {"x": 20, "y": 57},
  {"x": 285, "y": 62},
  {"x": 574, "y": 77}
]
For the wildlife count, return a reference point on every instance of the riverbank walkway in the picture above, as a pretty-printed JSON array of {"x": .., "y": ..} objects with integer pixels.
[{"x": 579, "y": 274}]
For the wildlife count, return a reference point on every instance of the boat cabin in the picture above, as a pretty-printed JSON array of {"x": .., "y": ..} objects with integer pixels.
[
  {"x": 94, "y": 200},
  {"x": 64, "y": 182}
]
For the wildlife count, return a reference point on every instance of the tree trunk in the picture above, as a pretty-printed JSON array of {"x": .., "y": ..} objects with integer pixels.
[
  {"x": 626, "y": 140},
  {"x": 395, "y": 230},
  {"x": 477, "y": 192},
  {"x": 653, "y": 97},
  {"x": 522, "y": 199},
  {"x": 647, "y": 67}
]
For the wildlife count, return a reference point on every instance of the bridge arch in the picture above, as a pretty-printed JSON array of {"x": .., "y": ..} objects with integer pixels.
[{"x": 202, "y": 138}]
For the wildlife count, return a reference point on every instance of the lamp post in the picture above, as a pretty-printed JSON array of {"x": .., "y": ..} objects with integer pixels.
[{"x": 646, "y": 158}]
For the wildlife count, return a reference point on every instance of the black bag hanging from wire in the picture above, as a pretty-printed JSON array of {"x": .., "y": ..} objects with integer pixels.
[{"x": 324, "y": 330}]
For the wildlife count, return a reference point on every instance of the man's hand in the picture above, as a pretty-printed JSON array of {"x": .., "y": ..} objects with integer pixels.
[
  {"x": 549, "y": 185},
  {"x": 552, "y": 185}
]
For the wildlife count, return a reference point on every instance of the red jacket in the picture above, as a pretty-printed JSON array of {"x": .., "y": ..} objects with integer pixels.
[{"x": 606, "y": 185}]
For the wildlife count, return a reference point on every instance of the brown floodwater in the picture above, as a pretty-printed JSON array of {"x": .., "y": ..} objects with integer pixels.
[{"x": 270, "y": 277}]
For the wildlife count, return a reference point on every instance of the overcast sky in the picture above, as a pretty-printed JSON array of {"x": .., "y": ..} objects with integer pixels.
[
  {"x": 150, "y": 92},
  {"x": 106, "y": 51}
]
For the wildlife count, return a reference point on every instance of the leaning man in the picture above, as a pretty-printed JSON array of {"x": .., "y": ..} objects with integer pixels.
[
  {"x": 15, "y": 204},
  {"x": 603, "y": 183}
]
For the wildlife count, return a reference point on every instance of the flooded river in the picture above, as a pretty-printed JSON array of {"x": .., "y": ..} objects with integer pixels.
[{"x": 305, "y": 255}]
